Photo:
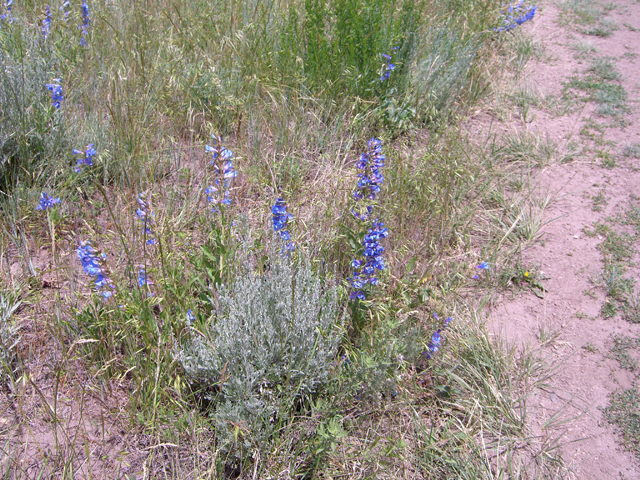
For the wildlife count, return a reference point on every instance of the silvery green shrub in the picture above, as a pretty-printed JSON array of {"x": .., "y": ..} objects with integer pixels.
[
  {"x": 8, "y": 335},
  {"x": 271, "y": 343}
]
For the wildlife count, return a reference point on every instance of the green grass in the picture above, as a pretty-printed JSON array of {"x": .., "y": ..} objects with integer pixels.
[
  {"x": 600, "y": 83},
  {"x": 623, "y": 410},
  {"x": 583, "y": 49}
]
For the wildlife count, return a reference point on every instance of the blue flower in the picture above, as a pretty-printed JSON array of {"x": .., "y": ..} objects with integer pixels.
[
  {"x": 483, "y": 266},
  {"x": 224, "y": 171},
  {"x": 7, "y": 14},
  {"x": 516, "y": 15},
  {"x": 146, "y": 217},
  {"x": 190, "y": 317},
  {"x": 280, "y": 220},
  {"x": 86, "y": 156},
  {"x": 94, "y": 264},
  {"x": 389, "y": 66},
  {"x": 46, "y": 201},
  {"x": 370, "y": 179},
  {"x": 56, "y": 92},
  {"x": 86, "y": 20},
  {"x": 364, "y": 272},
  {"x": 65, "y": 9},
  {"x": 46, "y": 23},
  {"x": 434, "y": 345}
]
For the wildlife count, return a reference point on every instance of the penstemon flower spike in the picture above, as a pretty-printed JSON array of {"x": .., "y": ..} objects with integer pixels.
[{"x": 224, "y": 173}]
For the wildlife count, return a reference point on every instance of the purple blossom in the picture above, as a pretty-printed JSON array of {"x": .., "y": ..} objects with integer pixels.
[
  {"x": 65, "y": 9},
  {"x": 516, "y": 15},
  {"x": 46, "y": 201},
  {"x": 7, "y": 11},
  {"x": 46, "y": 24},
  {"x": 56, "y": 92},
  {"x": 370, "y": 177},
  {"x": 86, "y": 20},
  {"x": 146, "y": 217},
  {"x": 364, "y": 272},
  {"x": 280, "y": 222},
  {"x": 224, "y": 171},
  {"x": 85, "y": 158},
  {"x": 389, "y": 66},
  {"x": 143, "y": 280},
  {"x": 94, "y": 265}
]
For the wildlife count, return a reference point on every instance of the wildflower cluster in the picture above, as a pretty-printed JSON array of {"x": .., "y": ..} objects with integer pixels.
[
  {"x": 85, "y": 157},
  {"x": 46, "y": 23},
  {"x": 7, "y": 11},
  {"x": 280, "y": 220},
  {"x": 65, "y": 8},
  {"x": 86, "y": 20},
  {"x": 516, "y": 15},
  {"x": 364, "y": 272},
  {"x": 143, "y": 279},
  {"x": 94, "y": 264},
  {"x": 436, "y": 339},
  {"x": 146, "y": 217},
  {"x": 221, "y": 161},
  {"x": 370, "y": 179},
  {"x": 482, "y": 266},
  {"x": 46, "y": 201},
  {"x": 56, "y": 91},
  {"x": 388, "y": 67}
]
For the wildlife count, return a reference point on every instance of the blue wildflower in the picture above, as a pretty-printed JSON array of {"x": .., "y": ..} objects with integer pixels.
[
  {"x": 280, "y": 221},
  {"x": 146, "y": 217},
  {"x": 56, "y": 92},
  {"x": 94, "y": 264},
  {"x": 224, "y": 171},
  {"x": 46, "y": 22},
  {"x": 365, "y": 272},
  {"x": 483, "y": 266},
  {"x": 370, "y": 177},
  {"x": 190, "y": 317},
  {"x": 86, "y": 156},
  {"x": 516, "y": 15},
  {"x": 436, "y": 339},
  {"x": 86, "y": 20},
  {"x": 143, "y": 279},
  {"x": 46, "y": 201},
  {"x": 65, "y": 8},
  {"x": 389, "y": 66},
  {"x": 7, "y": 11},
  {"x": 434, "y": 345}
]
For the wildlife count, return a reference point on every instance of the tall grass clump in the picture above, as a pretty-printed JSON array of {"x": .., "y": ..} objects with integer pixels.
[{"x": 32, "y": 128}]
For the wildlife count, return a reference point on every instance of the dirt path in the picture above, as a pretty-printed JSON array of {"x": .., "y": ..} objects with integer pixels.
[{"x": 590, "y": 242}]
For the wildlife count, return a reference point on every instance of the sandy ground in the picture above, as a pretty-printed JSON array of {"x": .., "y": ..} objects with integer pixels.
[{"x": 567, "y": 321}]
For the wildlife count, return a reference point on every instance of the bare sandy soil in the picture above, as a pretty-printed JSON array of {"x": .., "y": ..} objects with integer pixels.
[{"x": 567, "y": 323}]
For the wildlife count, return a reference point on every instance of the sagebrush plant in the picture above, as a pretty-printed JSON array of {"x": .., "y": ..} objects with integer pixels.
[{"x": 269, "y": 344}]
